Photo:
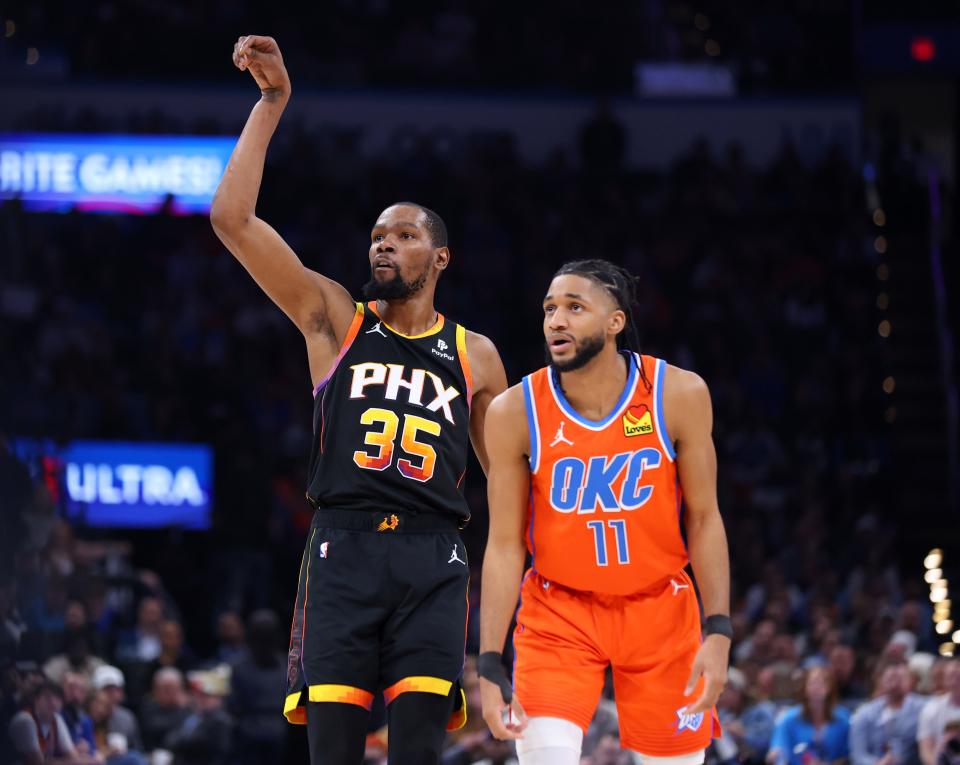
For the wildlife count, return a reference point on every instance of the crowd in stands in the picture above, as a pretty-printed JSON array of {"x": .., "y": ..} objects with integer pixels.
[
  {"x": 169, "y": 645},
  {"x": 445, "y": 45}
]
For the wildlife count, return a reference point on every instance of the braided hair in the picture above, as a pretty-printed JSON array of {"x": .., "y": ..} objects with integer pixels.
[{"x": 621, "y": 285}]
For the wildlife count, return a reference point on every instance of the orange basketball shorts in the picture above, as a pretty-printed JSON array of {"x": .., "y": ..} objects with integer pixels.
[{"x": 565, "y": 639}]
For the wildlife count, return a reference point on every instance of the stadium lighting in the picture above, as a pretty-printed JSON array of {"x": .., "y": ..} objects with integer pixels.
[
  {"x": 938, "y": 594},
  {"x": 946, "y": 649},
  {"x": 944, "y": 627},
  {"x": 934, "y": 558},
  {"x": 933, "y": 575}
]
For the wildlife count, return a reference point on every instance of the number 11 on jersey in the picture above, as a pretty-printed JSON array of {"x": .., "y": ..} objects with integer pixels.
[{"x": 619, "y": 526}]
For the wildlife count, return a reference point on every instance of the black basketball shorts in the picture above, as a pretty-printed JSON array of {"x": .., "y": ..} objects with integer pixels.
[{"x": 381, "y": 608}]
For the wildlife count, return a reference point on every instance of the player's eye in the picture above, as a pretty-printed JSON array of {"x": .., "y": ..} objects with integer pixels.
[
  {"x": 549, "y": 308},
  {"x": 576, "y": 307},
  {"x": 378, "y": 238},
  {"x": 406, "y": 235}
]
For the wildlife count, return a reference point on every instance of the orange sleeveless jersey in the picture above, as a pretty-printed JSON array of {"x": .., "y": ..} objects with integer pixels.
[{"x": 604, "y": 510}]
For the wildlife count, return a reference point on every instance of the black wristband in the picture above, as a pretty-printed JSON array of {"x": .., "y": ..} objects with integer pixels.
[
  {"x": 490, "y": 667},
  {"x": 718, "y": 624}
]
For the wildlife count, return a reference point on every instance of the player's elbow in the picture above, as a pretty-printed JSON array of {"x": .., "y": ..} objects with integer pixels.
[{"x": 227, "y": 219}]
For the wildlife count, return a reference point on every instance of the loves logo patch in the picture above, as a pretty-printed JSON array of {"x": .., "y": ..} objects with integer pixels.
[{"x": 638, "y": 421}]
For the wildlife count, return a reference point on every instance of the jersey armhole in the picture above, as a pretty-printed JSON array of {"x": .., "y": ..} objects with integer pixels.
[
  {"x": 465, "y": 363},
  {"x": 532, "y": 423},
  {"x": 658, "y": 381},
  {"x": 351, "y": 335}
]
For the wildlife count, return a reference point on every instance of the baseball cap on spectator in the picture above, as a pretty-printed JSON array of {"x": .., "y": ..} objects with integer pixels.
[
  {"x": 921, "y": 662},
  {"x": 212, "y": 682},
  {"x": 106, "y": 676},
  {"x": 905, "y": 638}
]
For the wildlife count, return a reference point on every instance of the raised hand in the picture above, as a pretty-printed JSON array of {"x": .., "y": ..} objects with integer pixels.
[{"x": 261, "y": 57}]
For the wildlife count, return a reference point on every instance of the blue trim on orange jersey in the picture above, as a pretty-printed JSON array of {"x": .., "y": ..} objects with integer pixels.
[
  {"x": 625, "y": 396},
  {"x": 513, "y": 669},
  {"x": 533, "y": 542},
  {"x": 661, "y": 423},
  {"x": 532, "y": 424}
]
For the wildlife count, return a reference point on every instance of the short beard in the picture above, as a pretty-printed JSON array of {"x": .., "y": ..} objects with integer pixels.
[
  {"x": 587, "y": 350},
  {"x": 393, "y": 289}
]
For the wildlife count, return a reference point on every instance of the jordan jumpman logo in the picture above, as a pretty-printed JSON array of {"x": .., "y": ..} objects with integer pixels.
[
  {"x": 376, "y": 329},
  {"x": 560, "y": 438}
]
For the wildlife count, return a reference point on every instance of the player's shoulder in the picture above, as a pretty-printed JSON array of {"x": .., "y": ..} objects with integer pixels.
[
  {"x": 480, "y": 347},
  {"x": 683, "y": 383},
  {"x": 506, "y": 421},
  {"x": 510, "y": 403}
]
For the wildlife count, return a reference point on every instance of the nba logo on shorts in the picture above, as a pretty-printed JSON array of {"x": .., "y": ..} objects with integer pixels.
[
  {"x": 323, "y": 549},
  {"x": 688, "y": 722}
]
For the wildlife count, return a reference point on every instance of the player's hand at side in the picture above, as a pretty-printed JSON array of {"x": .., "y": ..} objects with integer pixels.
[
  {"x": 711, "y": 663},
  {"x": 506, "y": 720},
  {"x": 261, "y": 57}
]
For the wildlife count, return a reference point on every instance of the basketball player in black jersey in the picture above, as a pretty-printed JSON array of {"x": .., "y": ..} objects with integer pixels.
[{"x": 382, "y": 600}]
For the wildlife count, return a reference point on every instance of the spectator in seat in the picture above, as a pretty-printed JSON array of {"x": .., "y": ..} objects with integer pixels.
[
  {"x": 165, "y": 708},
  {"x": 937, "y": 712},
  {"x": 113, "y": 746},
  {"x": 76, "y": 690},
  {"x": 256, "y": 675},
  {"x": 120, "y": 720},
  {"x": 38, "y": 733},
  {"x": 816, "y": 732},
  {"x": 204, "y": 737},
  {"x": 884, "y": 731},
  {"x": 77, "y": 657}
]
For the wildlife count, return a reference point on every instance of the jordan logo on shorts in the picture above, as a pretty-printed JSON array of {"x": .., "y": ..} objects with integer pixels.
[
  {"x": 376, "y": 330},
  {"x": 560, "y": 438},
  {"x": 677, "y": 586},
  {"x": 455, "y": 557},
  {"x": 688, "y": 722},
  {"x": 389, "y": 524}
]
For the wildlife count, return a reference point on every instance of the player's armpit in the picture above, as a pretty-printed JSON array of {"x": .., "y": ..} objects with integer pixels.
[{"x": 489, "y": 381}]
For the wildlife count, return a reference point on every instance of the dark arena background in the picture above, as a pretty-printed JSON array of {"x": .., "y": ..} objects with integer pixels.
[{"x": 781, "y": 177}]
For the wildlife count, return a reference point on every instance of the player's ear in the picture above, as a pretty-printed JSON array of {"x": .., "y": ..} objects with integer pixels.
[
  {"x": 441, "y": 257},
  {"x": 616, "y": 322}
]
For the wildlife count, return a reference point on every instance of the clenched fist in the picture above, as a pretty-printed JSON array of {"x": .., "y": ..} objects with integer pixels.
[{"x": 261, "y": 57}]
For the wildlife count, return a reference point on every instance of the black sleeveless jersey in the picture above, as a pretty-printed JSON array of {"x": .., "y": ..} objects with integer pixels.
[{"x": 391, "y": 421}]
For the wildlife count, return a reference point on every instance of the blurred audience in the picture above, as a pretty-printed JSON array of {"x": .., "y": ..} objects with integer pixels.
[
  {"x": 143, "y": 328},
  {"x": 884, "y": 730},
  {"x": 816, "y": 732},
  {"x": 935, "y": 730},
  {"x": 38, "y": 732},
  {"x": 256, "y": 673},
  {"x": 165, "y": 709}
]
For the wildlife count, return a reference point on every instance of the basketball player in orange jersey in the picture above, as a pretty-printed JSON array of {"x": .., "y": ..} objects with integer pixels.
[
  {"x": 588, "y": 459},
  {"x": 399, "y": 392}
]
